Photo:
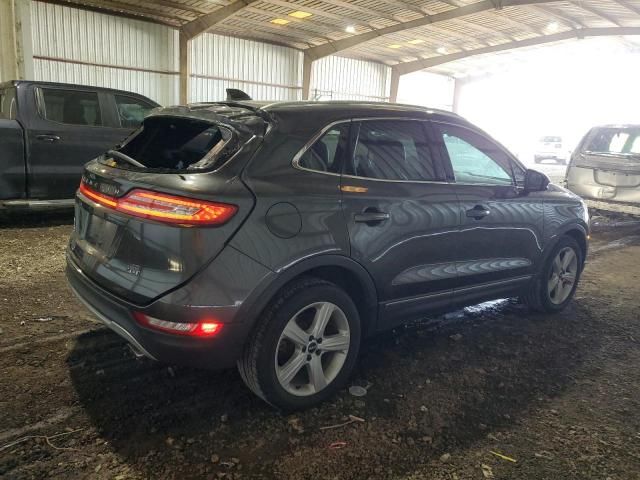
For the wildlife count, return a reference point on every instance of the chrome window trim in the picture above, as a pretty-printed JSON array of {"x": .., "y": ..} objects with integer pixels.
[{"x": 296, "y": 159}]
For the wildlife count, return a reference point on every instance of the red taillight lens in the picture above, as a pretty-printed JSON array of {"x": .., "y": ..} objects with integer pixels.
[
  {"x": 163, "y": 207},
  {"x": 204, "y": 328}
]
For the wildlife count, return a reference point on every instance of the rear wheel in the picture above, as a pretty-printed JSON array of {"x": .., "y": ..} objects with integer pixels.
[
  {"x": 305, "y": 346},
  {"x": 557, "y": 284}
]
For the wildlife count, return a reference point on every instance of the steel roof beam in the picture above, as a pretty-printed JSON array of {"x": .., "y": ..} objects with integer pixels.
[
  {"x": 205, "y": 22},
  {"x": 482, "y": 6},
  {"x": 417, "y": 65}
]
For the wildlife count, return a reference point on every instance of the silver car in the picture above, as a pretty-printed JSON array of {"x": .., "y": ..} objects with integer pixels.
[{"x": 605, "y": 168}]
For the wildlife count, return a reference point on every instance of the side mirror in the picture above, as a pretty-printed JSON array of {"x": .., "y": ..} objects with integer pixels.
[{"x": 535, "y": 181}]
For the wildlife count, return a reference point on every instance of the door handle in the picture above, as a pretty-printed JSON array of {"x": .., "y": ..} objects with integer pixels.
[
  {"x": 478, "y": 212},
  {"x": 371, "y": 217},
  {"x": 48, "y": 138}
]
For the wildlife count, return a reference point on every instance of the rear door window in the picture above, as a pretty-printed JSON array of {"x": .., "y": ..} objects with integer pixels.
[
  {"x": 131, "y": 111},
  {"x": 71, "y": 107},
  {"x": 171, "y": 143},
  {"x": 393, "y": 150}
]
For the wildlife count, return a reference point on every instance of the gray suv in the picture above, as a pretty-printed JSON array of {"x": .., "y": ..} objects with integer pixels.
[{"x": 278, "y": 236}]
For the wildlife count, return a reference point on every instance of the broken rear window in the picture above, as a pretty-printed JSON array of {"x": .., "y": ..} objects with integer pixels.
[
  {"x": 624, "y": 140},
  {"x": 170, "y": 143}
]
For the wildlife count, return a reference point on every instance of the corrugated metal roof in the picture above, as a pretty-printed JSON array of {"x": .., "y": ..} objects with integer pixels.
[{"x": 329, "y": 19}]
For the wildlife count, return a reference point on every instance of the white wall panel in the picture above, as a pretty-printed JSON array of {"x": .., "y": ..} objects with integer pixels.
[
  {"x": 340, "y": 78},
  {"x": 78, "y": 46},
  {"x": 264, "y": 71}
]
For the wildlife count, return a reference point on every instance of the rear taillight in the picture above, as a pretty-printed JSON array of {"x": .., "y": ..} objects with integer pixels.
[
  {"x": 163, "y": 207},
  {"x": 203, "y": 328}
]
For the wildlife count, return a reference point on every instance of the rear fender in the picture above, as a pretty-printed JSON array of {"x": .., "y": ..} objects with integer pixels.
[{"x": 264, "y": 293}]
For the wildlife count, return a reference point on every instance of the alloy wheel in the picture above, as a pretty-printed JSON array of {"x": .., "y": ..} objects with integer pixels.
[
  {"x": 563, "y": 275},
  {"x": 312, "y": 349}
]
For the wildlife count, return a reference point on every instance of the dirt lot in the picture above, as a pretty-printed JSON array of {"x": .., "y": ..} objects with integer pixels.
[{"x": 494, "y": 392}]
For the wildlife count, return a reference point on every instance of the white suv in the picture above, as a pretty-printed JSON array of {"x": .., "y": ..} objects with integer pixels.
[{"x": 551, "y": 148}]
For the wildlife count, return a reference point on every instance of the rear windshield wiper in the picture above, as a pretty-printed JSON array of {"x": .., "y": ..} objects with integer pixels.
[{"x": 126, "y": 158}]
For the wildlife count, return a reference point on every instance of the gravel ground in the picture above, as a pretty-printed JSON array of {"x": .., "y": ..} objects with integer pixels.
[{"x": 493, "y": 391}]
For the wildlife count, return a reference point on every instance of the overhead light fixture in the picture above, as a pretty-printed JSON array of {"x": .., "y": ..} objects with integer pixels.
[
  {"x": 552, "y": 27},
  {"x": 280, "y": 21},
  {"x": 441, "y": 50},
  {"x": 300, "y": 14},
  {"x": 395, "y": 45},
  {"x": 417, "y": 41},
  {"x": 350, "y": 29}
]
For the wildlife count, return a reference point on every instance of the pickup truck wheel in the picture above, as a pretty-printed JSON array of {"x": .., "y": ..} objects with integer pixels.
[
  {"x": 304, "y": 347},
  {"x": 554, "y": 288}
]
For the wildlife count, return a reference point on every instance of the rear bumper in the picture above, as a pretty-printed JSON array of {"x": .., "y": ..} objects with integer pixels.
[
  {"x": 630, "y": 209},
  {"x": 221, "y": 351}
]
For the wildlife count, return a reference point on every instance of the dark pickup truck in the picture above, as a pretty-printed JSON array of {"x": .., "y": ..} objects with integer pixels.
[{"x": 48, "y": 131}]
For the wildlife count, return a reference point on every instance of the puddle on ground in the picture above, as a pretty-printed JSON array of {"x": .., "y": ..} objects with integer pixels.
[{"x": 619, "y": 243}]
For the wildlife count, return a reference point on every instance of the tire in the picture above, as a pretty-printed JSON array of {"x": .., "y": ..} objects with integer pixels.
[
  {"x": 271, "y": 356},
  {"x": 562, "y": 162},
  {"x": 541, "y": 296},
  {"x": 537, "y": 160}
]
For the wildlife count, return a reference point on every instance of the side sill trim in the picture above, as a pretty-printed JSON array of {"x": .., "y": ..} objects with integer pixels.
[{"x": 474, "y": 288}]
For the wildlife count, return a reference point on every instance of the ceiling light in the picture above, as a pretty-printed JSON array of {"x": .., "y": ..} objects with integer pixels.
[
  {"x": 300, "y": 14},
  {"x": 350, "y": 29},
  {"x": 552, "y": 27},
  {"x": 415, "y": 42},
  {"x": 395, "y": 45},
  {"x": 441, "y": 50},
  {"x": 280, "y": 21}
]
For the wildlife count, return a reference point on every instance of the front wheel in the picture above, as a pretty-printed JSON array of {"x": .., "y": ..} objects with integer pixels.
[
  {"x": 305, "y": 346},
  {"x": 558, "y": 281}
]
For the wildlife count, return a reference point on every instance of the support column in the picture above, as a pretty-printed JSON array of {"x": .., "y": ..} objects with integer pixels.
[
  {"x": 16, "y": 51},
  {"x": 185, "y": 68},
  {"x": 395, "y": 83},
  {"x": 307, "y": 66},
  {"x": 457, "y": 88}
]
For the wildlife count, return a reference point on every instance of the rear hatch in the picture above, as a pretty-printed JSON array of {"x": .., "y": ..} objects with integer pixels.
[
  {"x": 608, "y": 165},
  {"x": 153, "y": 213}
]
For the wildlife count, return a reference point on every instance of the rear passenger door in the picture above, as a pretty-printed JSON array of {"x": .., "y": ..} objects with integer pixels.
[
  {"x": 67, "y": 131},
  {"x": 402, "y": 216},
  {"x": 500, "y": 227}
]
